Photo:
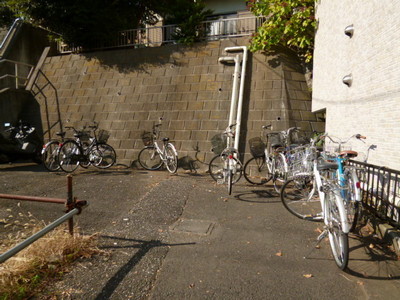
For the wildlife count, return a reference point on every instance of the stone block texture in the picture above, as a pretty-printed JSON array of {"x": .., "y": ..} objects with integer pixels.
[
  {"x": 370, "y": 106},
  {"x": 128, "y": 90}
]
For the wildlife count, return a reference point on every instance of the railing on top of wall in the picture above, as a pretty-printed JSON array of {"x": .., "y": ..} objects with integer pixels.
[
  {"x": 158, "y": 35},
  {"x": 380, "y": 191}
]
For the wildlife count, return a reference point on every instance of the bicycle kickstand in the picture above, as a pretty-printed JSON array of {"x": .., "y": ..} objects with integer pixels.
[{"x": 319, "y": 239}]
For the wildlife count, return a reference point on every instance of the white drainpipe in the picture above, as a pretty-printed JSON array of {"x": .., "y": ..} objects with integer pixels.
[
  {"x": 241, "y": 90},
  {"x": 233, "y": 111}
]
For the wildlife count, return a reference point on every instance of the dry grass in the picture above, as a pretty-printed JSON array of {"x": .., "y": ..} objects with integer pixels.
[{"x": 45, "y": 260}]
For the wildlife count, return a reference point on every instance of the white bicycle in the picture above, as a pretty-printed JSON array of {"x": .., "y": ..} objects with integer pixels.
[
  {"x": 226, "y": 167},
  {"x": 153, "y": 156}
]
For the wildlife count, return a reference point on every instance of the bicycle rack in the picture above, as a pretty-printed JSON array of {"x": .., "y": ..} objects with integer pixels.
[{"x": 73, "y": 205}]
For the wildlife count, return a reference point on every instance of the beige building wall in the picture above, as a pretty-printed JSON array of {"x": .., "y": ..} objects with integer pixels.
[{"x": 371, "y": 105}]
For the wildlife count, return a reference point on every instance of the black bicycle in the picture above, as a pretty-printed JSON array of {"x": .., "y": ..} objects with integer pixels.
[{"x": 86, "y": 150}]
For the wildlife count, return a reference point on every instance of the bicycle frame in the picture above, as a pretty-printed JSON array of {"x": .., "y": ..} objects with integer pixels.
[{"x": 323, "y": 183}]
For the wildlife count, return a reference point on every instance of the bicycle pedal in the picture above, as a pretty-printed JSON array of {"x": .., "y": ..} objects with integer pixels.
[{"x": 220, "y": 181}]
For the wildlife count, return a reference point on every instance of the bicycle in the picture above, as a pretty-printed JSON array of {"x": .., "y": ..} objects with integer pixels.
[
  {"x": 269, "y": 161},
  {"x": 226, "y": 167},
  {"x": 298, "y": 193},
  {"x": 85, "y": 150},
  {"x": 152, "y": 156},
  {"x": 50, "y": 153}
]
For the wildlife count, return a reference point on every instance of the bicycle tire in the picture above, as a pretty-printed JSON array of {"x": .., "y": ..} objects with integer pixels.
[
  {"x": 229, "y": 181},
  {"x": 338, "y": 240},
  {"x": 106, "y": 156},
  {"x": 280, "y": 172},
  {"x": 256, "y": 171},
  {"x": 149, "y": 158},
  {"x": 67, "y": 156},
  {"x": 299, "y": 197},
  {"x": 50, "y": 156},
  {"x": 352, "y": 205},
  {"x": 216, "y": 169},
  {"x": 171, "y": 158}
]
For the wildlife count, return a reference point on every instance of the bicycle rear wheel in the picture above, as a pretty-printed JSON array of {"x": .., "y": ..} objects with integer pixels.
[
  {"x": 338, "y": 240},
  {"x": 299, "y": 197},
  {"x": 68, "y": 156},
  {"x": 171, "y": 159},
  {"x": 216, "y": 169},
  {"x": 149, "y": 158},
  {"x": 103, "y": 156},
  {"x": 256, "y": 171},
  {"x": 50, "y": 156}
]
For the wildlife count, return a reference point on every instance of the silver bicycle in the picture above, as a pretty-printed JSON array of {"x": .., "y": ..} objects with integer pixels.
[
  {"x": 226, "y": 167},
  {"x": 154, "y": 155}
]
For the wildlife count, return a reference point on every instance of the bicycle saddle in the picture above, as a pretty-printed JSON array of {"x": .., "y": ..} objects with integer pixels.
[
  {"x": 165, "y": 139},
  {"x": 348, "y": 153},
  {"x": 62, "y": 134}
]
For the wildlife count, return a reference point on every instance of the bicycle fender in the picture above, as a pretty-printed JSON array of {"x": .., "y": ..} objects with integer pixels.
[
  {"x": 173, "y": 148},
  {"x": 47, "y": 144}
]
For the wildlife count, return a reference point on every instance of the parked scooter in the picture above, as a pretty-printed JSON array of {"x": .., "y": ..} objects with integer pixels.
[{"x": 20, "y": 142}]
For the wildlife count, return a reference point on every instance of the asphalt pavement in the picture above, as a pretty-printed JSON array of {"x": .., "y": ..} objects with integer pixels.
[{"x": 183, "y": 237}]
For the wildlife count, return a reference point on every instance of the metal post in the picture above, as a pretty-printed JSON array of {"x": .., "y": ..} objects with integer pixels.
[
  {"x": 37, "y": 235},
  {"x": 70, "y": 203},
  {"x": 16, "y": 76}
]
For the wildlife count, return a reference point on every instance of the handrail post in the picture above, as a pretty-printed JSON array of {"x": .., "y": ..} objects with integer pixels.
[
  {"x": 16, "y": 76},
  {"x": 70, "y": 204}
]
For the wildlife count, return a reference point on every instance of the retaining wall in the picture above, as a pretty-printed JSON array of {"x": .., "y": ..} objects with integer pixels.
[{"x": 127, "y": 90}]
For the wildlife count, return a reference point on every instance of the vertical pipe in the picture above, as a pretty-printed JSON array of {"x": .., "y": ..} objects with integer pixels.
[
  {"x": 241, "y": 91},
  {"x": 234, "y": 97}
]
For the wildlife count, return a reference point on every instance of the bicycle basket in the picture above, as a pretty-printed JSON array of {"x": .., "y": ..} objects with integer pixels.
[
  {"x": 147, "y": 138},
  {"x": 275, "y": 139},
  {"x": 84, "y": 136},
  {"x": 300, "y": 161},
  {"x": 103, "y": 136},
  {"x": 257, "y": 147},
  {"x": 218, "y": 143}
]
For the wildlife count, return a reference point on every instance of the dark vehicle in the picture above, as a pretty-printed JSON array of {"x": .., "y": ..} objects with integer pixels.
[{"x": 20, "y": 142}]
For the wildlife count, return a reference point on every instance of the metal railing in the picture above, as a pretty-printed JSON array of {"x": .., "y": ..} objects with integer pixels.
[
  {"x": 380, "y": 191},
  {"x": 14, "y": 74},
  {"x": 73, "y": 206},
  {"x": 154, "y": 36},
  {"x": 9, "y": 36}
]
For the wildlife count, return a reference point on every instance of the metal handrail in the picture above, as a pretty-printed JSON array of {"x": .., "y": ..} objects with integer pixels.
[
  {"x": 8, "y": 35},
  {"x": 158, "y": 35}
]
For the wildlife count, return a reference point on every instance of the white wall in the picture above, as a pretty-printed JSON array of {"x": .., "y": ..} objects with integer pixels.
[{"x": 371, "y": 106}]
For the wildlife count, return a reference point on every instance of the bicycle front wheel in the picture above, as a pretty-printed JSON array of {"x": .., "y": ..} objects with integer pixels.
[
  {"x": 149, "y": 158},
  {"x": 68, "y": 156},
  {"x": 299, "y": 197},
  {"x": 50, "y": 156},
  {"x": 171, "y": 159},
  {"x": 229, "y": 181},
  {"x": 280, "y": 172},
  {"x": 256, "y": 171},
  {"x": 352, "y": 204},
  {"x": 338, "y": 240},
  {"x": 104, "y": 156},
  {"x": 216, "y": 169}
]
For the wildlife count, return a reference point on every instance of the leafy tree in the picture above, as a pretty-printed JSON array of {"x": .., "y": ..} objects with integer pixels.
[
  {"x": 88, "y": 23},
  {"x": 289, "y": 23},
  {"x": 187, "y": 15}
]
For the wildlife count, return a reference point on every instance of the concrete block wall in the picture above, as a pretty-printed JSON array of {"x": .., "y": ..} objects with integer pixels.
[
  {"x": 127, "y": 90},
  {"x": 371, "y": 105}
]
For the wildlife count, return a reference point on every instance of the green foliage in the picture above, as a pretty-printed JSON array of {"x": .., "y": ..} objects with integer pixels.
[
  {"x": 188, "y": 15},
  {"x": 289, "y": 23},
  {"x": 89, "y": 23}
]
